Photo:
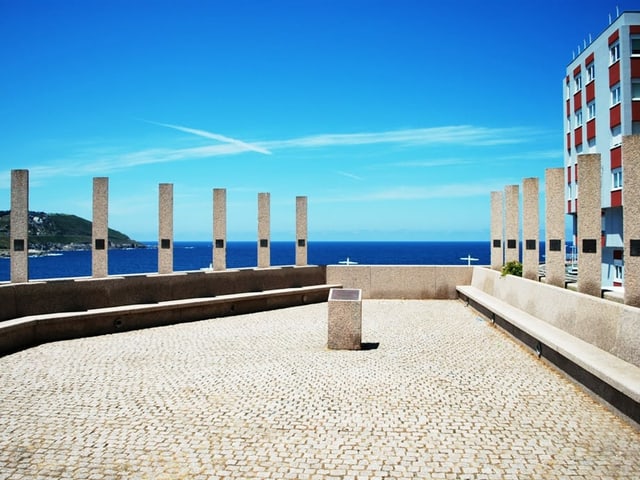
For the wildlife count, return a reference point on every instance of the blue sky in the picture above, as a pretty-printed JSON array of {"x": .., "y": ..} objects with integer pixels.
[{"x": 395, "y": 118}]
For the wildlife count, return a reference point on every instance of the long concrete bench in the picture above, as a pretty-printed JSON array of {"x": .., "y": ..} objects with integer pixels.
[
  {"x": 28, "y": 331},
  {"x": 613, "y": 379}
]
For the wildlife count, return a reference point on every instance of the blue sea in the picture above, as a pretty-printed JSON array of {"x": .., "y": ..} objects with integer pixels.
[{"x": 197, "y": 255}]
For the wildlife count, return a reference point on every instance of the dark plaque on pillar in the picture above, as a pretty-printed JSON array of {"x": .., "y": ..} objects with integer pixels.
[
  {"x": 302, "y": 242},
  {"x": 555, "y": 245},
  {"x": 497, "y": 242},
  {"x": 511, "y": 243},
  {"x": 165, "y": 243},
  {"x": 589, "y": 245},
  {"x": 264, "y": 242},
  {"x": 18, "y": 245},
  {"x": 634, "y": 248},
  {"x": 100, "y": 243},
  {"x": 219, "y": 243},
  {"x": 530, "y": 244}
]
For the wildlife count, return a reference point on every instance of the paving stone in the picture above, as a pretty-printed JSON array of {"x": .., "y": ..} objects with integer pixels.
[{"x": 260, "y": 396}]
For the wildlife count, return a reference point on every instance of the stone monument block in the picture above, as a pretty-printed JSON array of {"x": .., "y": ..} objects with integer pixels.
[
  {"x": 589, "y": 225},
  {"x": 497, "y": 224},
  {"x": 345, "y": 319},
  {"x": 264, "y": 230},
  {"x": 100, "y": 228},
  {"x": 301, "y": 231},
  {"x": 630, "y": 223},
  {"x": 530, "y": 228},
  {"x": 165, "y": 229},
  {"x": 555, "y": 227},
  {"x": 219, "y": 228},
  {"x": 512, "y": 223},
  {"x": 19, "y": 228}
]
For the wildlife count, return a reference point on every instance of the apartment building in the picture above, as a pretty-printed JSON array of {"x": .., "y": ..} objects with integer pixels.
[{"x": 602, "y": 104}]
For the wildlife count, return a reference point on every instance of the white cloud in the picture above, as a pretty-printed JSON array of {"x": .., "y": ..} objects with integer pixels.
[
  {"x": 349, "y": 175},
  {"x": 216, "y": 136}
]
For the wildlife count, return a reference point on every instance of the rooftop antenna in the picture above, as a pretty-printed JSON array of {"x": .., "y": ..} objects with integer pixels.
[
  {"x": 609, "y": 19},
  {"x": 590, "y": 39},
  {"x": 617, "y": 12},
  {"x": 584, "y": 43}
]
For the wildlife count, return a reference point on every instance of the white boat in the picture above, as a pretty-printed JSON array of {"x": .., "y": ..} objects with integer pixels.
[
  {"x": 469, "y": 259},
  {"x": 348, "y": 261}
]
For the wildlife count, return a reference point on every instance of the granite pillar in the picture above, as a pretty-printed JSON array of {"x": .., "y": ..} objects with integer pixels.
[
  {"x": 19, "y": 226},
  {"x": 512, "y": 223},
  {"x": 219, "y": 228},
  {"x": 497, "y": 226},
  {"x": 589, "y": 225},
  {"x": 301, "y": 231},
  {"x": 264, "y": 229},
  {"x": 630, "y": 223},
  {"x": 555, "y": 227},
  {"x": 530, "y": 228},
  {"x": 165, "y": 229},
  {"x": 100, "y": 228},
  {"x": 345, "y": 319}
]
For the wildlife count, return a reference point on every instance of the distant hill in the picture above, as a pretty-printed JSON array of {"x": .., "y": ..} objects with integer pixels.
[{"x": 59, "y": 231}]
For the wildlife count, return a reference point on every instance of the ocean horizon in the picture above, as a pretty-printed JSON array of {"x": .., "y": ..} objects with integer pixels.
[{"x": 196, "y": 255}]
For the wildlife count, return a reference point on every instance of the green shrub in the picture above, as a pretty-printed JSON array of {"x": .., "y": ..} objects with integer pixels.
[{"x": 512, "y": 268}]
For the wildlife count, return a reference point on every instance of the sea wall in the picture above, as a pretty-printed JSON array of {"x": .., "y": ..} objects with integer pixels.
[
  {"x": 80, "y": 294},
  {"x": 401, "y": 281}
]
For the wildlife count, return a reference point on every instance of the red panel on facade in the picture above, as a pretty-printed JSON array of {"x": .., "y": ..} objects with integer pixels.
[
  {"x": 635, "y": 110},
  {"x": 575, "y": 167},
  {"x": 614, "y": 116},
  {"x": 569, "y": 142},
  {"x": 614, "y": 36},
  {"x": 577, "y": 101},
  {"x": 569, "y": 206},
  {"x": 616, "y": 157},
  {"x": 617, "y": 254},
  {"x": 634, "y": 29},
  {"x": 616, "y": 198},
  {"x": 568, "y": 174},
  {"x": 576, "y": 71},
  {"x": 589, "y": 59},
  {"x": 591, "y": 129},
  {"x": 591, "y": 91},
  {"x": 614, "y": 74},
  {"x": 617, "y": 284},
  {"x": 568, "y": 107},
  {"x": 577, "y": 133},
  {"x": 635, "y": 67}
]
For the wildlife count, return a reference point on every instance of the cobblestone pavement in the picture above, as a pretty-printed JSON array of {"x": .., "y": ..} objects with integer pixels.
[{"x": 445, "y": 395}]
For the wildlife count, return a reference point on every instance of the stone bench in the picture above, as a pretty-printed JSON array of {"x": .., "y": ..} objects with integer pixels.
[
  {"x": 28, "y": 331},
  {"x": 613, "y": 379}
]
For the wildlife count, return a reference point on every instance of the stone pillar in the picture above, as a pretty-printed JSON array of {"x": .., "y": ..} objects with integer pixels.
[
  {"x": 589, "y": 225},
  {"x": 630, "y": 223},
  {"x": 219, "y": 229},
  {"x": 497, "y": 226},
  {"x": 530, "y": 228},
  {"x": 301, "y": 231},
  {"x": 345, "y": 319},
  {"x": 165, "y": 229},
  {"x": 100, "y": 228},
  {"x": 19, "y": 227},
  {"x": 555, "y": 227},
  {"x": 512, "y": 223},
  {"x": 264, "y": 249}
]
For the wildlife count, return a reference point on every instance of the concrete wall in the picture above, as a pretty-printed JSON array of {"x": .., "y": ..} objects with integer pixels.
[
  {"x": 73, "y": 295},
  {"x": 611, "y": 326},
  {"x": 401, "y": 281}
]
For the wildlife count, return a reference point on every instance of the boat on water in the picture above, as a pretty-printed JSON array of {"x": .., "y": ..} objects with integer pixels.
[{"x": 348, "y": 261}]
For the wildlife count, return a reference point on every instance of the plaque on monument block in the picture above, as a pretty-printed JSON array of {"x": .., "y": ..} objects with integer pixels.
[
  {"x": 589, "y": 245},
  {"x": 345, "y": 294},
  {"x": 511, "y": 243},
  {"x": 497, "y": 243},
  {"x": 555, "y": 245},
  {"x": 165, "y": 243},
  {"x": 302, "y": 242},
  {"x": 530, "y": 244},
  {"x": 18, "y": 245},
  {"x": 264, "y": 243},
  {"x": 634, "y": 248},
  {"x": 219, "y": 243},
  {"x": 100, "y": 243}
]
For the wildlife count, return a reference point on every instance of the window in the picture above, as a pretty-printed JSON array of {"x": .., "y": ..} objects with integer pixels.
[
  {"x": 618, "y": 272},
  {"x": 616, "y": 176},
  {"x": 591, "y": 106},
  {"x": 615, "y": 95},
  {"x": 578, "y": 118},
  {"x": 591, "y": 73},
  {"x": 616, "y": 136},
  {"x": 635, "y": 46},
  {"x": 635, "y": 90},
  {"x": 614, "y": 52},
  {"x": 577, "y": 83}
]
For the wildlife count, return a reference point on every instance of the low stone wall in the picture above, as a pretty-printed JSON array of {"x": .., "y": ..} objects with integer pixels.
[
  {"x": 610, "y": 326},
  {"x": 80, "y": 294},
  {"x": 401, "y": 281}
]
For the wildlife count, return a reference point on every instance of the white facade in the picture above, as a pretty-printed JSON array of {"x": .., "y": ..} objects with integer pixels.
[{"x": 601, "y": 105}]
